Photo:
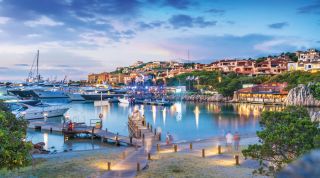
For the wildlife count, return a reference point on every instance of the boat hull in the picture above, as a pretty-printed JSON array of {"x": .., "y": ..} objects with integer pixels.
[
  {"x": 41, "y": 114},
  {"x": 96, "y": 97}
]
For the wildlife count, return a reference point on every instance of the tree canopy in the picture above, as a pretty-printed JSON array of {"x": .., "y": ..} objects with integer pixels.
[
  {"x": 14, "y": 150},
  {"x": 284, "y": 137}
]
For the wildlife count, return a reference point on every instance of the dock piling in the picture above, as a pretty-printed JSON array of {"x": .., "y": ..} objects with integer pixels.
[
  {"x": 237, "y": 159},
  {"x": 203, "y": 153},
  {"x": 109, "y": 166},
  {"x": 158, "y": 147},
  {"x": 149, "y": 156},
  {"x": 190, "y": 146},
  {"x": 219, "y": 149},
  {"x": 138, "y": 166},
  {"x": 175, "y": 148}
]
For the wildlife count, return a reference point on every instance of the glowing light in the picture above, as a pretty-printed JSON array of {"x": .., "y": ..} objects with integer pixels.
[
  {"x": 154, "y": 114},
  {"x": 164, "y": 115},
  {"x": 45, "y": 140},
  {"x": 196, "y": 114},
  {"x": 178, "y": 110}
]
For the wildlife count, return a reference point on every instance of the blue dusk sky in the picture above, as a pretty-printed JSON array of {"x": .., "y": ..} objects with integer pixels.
[{"x": 77, "y": 37}]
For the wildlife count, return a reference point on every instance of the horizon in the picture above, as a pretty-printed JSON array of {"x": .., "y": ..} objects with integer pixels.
[{"x": 76, "y": 38}]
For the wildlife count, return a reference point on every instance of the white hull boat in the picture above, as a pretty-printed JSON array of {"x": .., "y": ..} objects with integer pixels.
[{"x": 41, "y": 111}]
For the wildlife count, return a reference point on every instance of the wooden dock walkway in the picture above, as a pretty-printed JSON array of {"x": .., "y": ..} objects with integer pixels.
[{"x": 81, "y": 128}]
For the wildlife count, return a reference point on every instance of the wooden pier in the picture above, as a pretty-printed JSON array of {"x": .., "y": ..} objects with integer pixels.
[{"x": 81, "y": 128}]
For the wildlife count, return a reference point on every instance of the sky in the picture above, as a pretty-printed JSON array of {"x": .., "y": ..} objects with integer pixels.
[{"x": 78, "y": 37}]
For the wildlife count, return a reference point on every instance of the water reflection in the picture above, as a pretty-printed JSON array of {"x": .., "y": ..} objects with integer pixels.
[{"x": 185, "y": 121}]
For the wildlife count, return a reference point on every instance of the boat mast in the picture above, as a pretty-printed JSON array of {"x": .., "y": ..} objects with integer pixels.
[{"x": 38, "y": 76}]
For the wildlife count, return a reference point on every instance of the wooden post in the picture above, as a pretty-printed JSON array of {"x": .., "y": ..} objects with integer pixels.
[
  {"x": 148, "y": 125},
  {"x": 155, "y": 131},
  {"x": 92, "y": 133},
  {"x": 203, "y": 153},
  {"x": 138, "y": 166},
  {"x": 117, "y": 141},
  {"x": 190, "y": 146},
  {"x": 160, "y": 136},
  {"x": 158, "y": 147},
  {"x": 142, "y": 139},
  {"x": 219, "y": 149},
  {"x": 109, "y": 166},
  {"x": 149, "y": 156},
  {"x": 130, "y": 140},
  {"x": 50, "y": 129},
  {"x": 237, "y": 159},
  {"x": 175, "y": 147},
  {"x": 139, "y": 133}
]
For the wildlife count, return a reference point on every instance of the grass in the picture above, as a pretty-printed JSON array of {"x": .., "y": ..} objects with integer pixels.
[{"x": 72, "y": 164}]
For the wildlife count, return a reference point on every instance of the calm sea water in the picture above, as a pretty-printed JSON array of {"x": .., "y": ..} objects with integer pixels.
[{"x": 184, "y": 120}]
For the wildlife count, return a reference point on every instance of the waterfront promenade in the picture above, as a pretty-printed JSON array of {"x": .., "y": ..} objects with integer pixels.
[{"x": 128, "y": 167}]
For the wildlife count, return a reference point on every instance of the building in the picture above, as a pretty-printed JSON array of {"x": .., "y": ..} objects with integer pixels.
[
  {"x": 264, "y": 93},
  {"x": 304, "y": 66},
  {"x": 271, "y": 67},
  {"x": 93, "y": 78},
  {"x": 312, "y": 55}
]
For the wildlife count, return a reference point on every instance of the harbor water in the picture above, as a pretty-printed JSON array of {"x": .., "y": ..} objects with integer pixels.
[{"x": 186, "y": 121}]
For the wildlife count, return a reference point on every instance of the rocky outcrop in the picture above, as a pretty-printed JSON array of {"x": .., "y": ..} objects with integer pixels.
[
  {"x": 301, "y": 95},
  {"x": 201, "y": 98}
]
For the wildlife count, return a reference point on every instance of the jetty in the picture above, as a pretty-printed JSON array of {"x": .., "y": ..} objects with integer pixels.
[{"x": 81, "y": 129}]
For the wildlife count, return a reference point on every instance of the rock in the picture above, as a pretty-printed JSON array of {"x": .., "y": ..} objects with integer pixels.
[
  {"x": 39, "y": 145},
  {"x": 302, "y": 96}
]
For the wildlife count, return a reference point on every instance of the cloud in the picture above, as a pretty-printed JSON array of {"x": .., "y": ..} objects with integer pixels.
[
  {"x": 148, "y": 26},
  {"x": 312, "y": 8},
  {"x": 279, "y": 25},
  {"x": 4, "y": 68},
  {"x": 181, "y": 21},
  {"x": 43, "y": 20},
  {"x": 208, "y": 47},
  {"x": 216, "y": 11},
  {"x": 4, "y": 20},
  {"x": 178, "y": 4},
  {"x": 21, "y": 65}
]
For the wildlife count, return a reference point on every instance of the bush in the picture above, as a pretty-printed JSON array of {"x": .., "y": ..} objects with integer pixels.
[
  {"x": 14, "y": 150},
  {"x": 285, "y": 136}
]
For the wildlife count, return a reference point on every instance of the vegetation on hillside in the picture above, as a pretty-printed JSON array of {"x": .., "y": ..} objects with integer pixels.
[
  {"x": 285, "y": 136},
  {"x": 296, "y": 77},
  {"x": 14, "y": 151},
  {"x": 226, "y": 84},
  {"x": 315, "y": 90}
]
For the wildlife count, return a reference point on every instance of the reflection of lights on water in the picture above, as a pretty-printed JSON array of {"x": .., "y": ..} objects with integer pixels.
[
  {"x": 196, "y": 114},
  {"x": 178, "y": 108},
  {"x": 164, "y": 115},
  {"x": 45, "y": 140},
  {"x": 154, "y": 114},
  {"x": 142, "y": 109}
]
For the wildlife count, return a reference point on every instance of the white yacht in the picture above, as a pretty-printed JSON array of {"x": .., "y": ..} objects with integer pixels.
[
  {"x": 40, "y": 111},
  {"x": 125, "y": 100}
]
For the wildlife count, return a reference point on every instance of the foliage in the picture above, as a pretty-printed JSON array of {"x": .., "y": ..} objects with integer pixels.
[
  {"x": 14, "y": 151},
  {"x": 296, "y": 77},
  {"x": 227, "y": 85},
  {"x": 292, "y": 56},
  {"x": 315, "y": 90},
  {"x": 285, "y": 136}
]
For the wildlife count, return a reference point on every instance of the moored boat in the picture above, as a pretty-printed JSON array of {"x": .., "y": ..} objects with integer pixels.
[{"x": 40, "y": 111}]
